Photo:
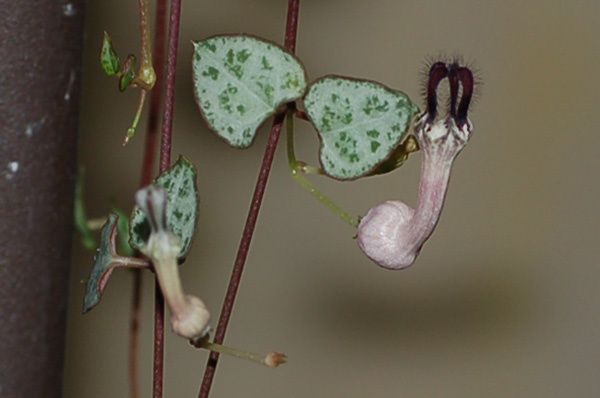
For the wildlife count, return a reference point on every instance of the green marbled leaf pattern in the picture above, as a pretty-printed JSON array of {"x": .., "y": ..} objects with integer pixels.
[
  {"x": 109, "y": 60},
  {"x": 360, "y": 123},
  {"x": 182, "y": 207},
  {"x": 239, "y": 81},
  {"x": 103, "y": 265}
]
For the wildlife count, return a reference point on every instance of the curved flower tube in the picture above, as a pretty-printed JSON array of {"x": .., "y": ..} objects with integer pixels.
[
  {"x": 189, "y": 316},
  {"x": 392, "y": 233}
]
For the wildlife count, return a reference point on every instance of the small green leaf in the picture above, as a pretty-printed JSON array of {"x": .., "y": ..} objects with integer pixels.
[
  {"x": 108, "y": 57},
  {"x": 239, "y": 81},
  {"x": 103, "y": 265},
  {"x": 182, "y": 207},
  {"x": 80, "y": 217},
  {"x": 360, "y": 123},
  {"x": 127, "y": 72}
]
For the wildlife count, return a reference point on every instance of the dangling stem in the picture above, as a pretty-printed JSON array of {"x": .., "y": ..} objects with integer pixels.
[
  {"x": 134, "y": 327},
  {"x": 297, "y": 168},
  {"x": 146, "y": 72},
  {"x": 237, "y": 353},
  {"x": 147, "y": 173},
  {"x": 165, "y": 161},
  {"x": 156, "y": 95},
  {"x": 136, "y": 119},
  {"x": 259, "y": 190}
]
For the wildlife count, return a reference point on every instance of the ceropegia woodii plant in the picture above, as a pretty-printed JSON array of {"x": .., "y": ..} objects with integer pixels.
[{"x": 365, "y": 129}]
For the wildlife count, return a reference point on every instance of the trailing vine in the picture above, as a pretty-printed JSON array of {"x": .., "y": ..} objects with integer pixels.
[{"x": 365, "y": 129}]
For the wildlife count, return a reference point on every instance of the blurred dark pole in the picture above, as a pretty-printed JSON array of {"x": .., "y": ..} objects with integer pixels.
[{"x": 40, "y": 74}]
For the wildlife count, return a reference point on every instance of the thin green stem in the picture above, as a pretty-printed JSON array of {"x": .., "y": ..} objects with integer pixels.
[
  {"x": 136, "y": 119},
  {"x": 308, "y": 169},
  {"x": 164, "y": 163},
  {"x": 250, "y": 356},
  {"x": 298, "y": 168}
]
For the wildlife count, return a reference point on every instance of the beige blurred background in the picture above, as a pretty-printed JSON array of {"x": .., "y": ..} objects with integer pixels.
[{"x": 504, "y": 299}]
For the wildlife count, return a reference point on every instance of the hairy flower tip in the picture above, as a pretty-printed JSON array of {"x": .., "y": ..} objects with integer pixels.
[
  {"x": 192, "y": 321},
  {"x": 461, "y": 84},
  {"x": 274, "y": 359},
  {"x": 380, "y": 232}
]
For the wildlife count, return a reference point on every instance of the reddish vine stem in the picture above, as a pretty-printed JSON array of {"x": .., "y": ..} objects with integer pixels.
[
  {"x": 146, "y": 178},
  {"x": 167, "y": 123},
  {"x": 134, "y": 327},
  {"x": 164, "y": 163},
  {"x": 145, "y": 52},
  {"x": 156, "y": 94},
  {"x": 259, "y": 190}
]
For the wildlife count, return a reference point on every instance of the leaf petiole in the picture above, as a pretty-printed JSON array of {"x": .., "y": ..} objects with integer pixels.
[
  {"x": 298, "y": 168},
  {"x": 95, "y": 224},
  {"x": 136, "y": 119}
]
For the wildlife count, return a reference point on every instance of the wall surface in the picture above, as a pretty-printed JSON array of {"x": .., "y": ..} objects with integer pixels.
[
  {"x": 40, "y": 75},
  {"x": 503, "y": 301}
]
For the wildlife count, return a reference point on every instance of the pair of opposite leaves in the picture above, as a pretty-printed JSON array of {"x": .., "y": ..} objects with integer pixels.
[{"x": 240, "y": 81}]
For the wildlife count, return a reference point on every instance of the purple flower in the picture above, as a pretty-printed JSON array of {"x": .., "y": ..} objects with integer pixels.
[{"x": 392, "y": 233}]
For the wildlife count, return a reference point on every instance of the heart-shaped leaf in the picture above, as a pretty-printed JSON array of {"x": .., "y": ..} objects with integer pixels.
[
  {"x": 103, "y": 264},
  {"x": 239, "y": 81},
  {"x": 360, "y": 123},
  {"x": 182, "y": 207}
]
